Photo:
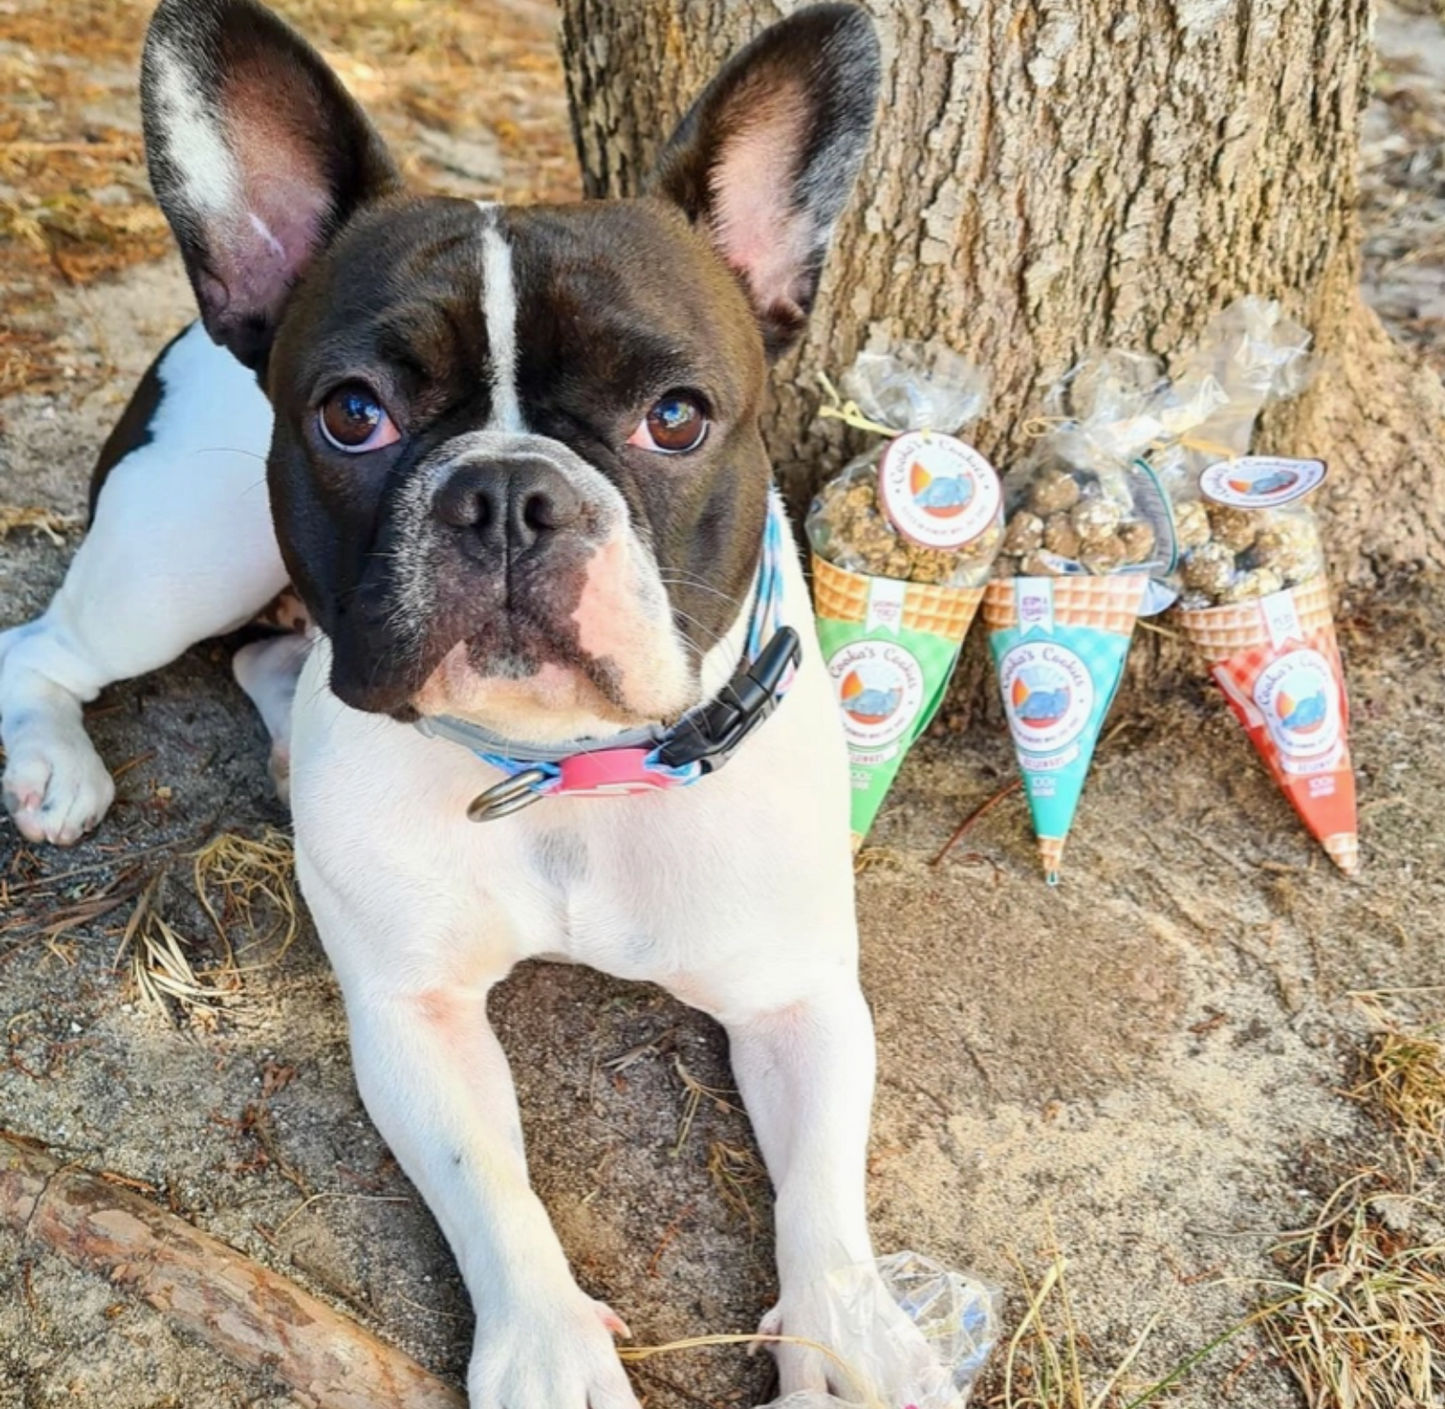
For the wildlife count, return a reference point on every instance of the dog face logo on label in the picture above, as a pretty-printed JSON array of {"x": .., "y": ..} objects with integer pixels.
[
  {"x": 937, "y": 491},
  {"x": 1048, "y": 696},
  {"x": 880, "y": 687},
  {"x": 1297, "y": 697},
  {"x": 1260, "y": 481}
]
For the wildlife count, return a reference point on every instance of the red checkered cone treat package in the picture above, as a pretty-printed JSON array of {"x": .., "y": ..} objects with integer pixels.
[
  {"x": 1255, "y": 598},
  {"x": 1278, "y": 664}
]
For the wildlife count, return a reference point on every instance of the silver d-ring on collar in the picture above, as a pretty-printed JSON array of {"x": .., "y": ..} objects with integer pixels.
[{"x": 509, "y": 796}]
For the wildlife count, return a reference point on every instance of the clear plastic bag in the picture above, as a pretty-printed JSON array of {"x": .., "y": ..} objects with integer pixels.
[
  {"x": 958, "y": 1316},
  {"x": 1118, "y": 482},
  {"x": 1089, "y": 500},
  {"x": 917, "y": 388},
  {"x": 921, "y": 506},
  {"x": 1248, "y": 354},
  {"x": 1234, "y": 545}
]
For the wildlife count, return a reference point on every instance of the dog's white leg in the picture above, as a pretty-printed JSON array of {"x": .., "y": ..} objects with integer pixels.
[
  {"x": 806, "y": 1076},
  {"x": 437, "y": 1086},
  {"x": 268, "y": 671},
  {"x": 182, "y": 548},
  {"x": 436, "y": 1083}
]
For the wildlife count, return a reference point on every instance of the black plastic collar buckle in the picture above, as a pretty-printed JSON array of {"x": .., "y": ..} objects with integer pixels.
[{"x": 711, "y": 735}]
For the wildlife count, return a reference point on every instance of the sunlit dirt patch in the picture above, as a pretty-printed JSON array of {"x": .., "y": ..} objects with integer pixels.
[{"x": 469, "y": 96}]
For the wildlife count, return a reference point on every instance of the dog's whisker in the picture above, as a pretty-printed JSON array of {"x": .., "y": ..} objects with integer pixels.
[
  {"x": 229, "y": 450},
  {"x": 714, "y": 638},
  {"x": 696, "y": 586}
]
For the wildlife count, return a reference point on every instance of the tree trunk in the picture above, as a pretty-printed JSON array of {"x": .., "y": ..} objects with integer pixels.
[{"x": 1053, "y": 177}]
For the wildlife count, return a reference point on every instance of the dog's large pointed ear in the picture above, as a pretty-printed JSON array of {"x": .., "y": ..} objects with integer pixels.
[
  {"x": 257, "y": 154},
  {"x": 765, "y": 160}
]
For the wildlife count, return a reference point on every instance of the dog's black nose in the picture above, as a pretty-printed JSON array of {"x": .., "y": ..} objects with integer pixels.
[{"x": 508, "y": 507}]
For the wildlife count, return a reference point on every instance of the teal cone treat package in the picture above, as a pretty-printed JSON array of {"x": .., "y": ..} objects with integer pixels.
[
  {"x": 1088, "y": 548},
  {"x": 1059, "y": 645}
]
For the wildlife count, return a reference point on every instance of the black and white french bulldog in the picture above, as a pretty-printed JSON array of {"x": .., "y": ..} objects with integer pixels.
[{"x": 512, "y": 468}]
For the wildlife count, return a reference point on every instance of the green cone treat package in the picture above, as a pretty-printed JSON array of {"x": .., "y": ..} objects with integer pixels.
[{"x": 903, "y": 541}]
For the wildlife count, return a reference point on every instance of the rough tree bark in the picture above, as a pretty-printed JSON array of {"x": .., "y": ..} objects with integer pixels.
[{"x": 1054, "y": 176}]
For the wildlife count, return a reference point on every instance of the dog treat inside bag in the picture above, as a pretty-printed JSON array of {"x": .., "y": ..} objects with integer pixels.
[
  {"x": 1243, "y": 528},
  {"x": 1086, "y": 503},
  {"x": 903, "y": 541},
  {"x": 1088, "y": 548},
  {"x": 1256, "y": 601}
]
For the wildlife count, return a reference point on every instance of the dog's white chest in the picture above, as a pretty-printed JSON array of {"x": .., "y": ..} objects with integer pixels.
[{"x": 698, "y": 881}]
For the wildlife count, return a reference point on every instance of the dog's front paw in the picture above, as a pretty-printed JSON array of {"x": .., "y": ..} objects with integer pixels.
[
  {"x": 56, "y": 788},
  {"x": 868, "y": 1349},
  {"x": 561, "y": 1356}
]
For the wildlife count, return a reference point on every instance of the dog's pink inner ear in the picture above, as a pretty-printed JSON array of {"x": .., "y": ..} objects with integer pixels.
[
  {"x": 285, "y": 204},
  {"x": 754, "y": 221}
]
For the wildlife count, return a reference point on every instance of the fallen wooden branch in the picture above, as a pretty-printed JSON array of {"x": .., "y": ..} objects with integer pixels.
[{"x": 250, "y": 1315}]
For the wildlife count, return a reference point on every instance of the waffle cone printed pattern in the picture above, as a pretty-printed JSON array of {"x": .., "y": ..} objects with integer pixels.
[
  {"x": 1235, "y": 640},
  {"x": 1105, "y": 603},
  {"x": 942, "y": 611},
  {"x": 1344, "y": 850},
  {"x": 1051, "y": 854},
  {"x": 1222, "y": 632}
]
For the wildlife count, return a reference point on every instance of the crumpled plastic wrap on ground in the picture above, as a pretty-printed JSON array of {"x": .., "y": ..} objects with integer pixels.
[{"x": 959, "y": 1316}]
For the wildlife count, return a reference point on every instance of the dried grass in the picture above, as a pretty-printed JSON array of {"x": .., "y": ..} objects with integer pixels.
[
  {"x": 878, "y": 858},
  {"x": 1363, "y": 1326},
  {"x": 1046, "y": 1363},
  {"x": 36, "y": 519},
  {"x": 740, "y": 1180},
  {"x": 1406, "y": 1084},
  {"x": 244, "y": 885},
  {"x": 250, "y": 883},
  {"x": 155, "y": 954},
  {"x": 694, "y": 1094},
  {"x": 636, "y": 1354}
]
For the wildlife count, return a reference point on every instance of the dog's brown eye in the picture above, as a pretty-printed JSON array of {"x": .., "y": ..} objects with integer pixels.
[
  {"x": 353, "y": 419},
  {"x": 676, "y": 424}
]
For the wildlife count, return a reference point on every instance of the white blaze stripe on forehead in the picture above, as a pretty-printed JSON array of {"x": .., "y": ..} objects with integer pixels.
[
  {"x": 210, "y": 180},
  {"x": 499, "y": 310}
]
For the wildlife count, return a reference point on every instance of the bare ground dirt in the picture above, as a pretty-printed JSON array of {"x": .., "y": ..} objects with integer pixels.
[{"x": 1143, "y": 1068}]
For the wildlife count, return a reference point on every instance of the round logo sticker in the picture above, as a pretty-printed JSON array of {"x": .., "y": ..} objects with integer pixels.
[
  {"x": 1048, "y": 696},
  {"x": 880, "y": 690},
  {"x": 1300, "y": 703},
  {"x": 1260, "y": 481},
  {"x": 939, "y": 492}
]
